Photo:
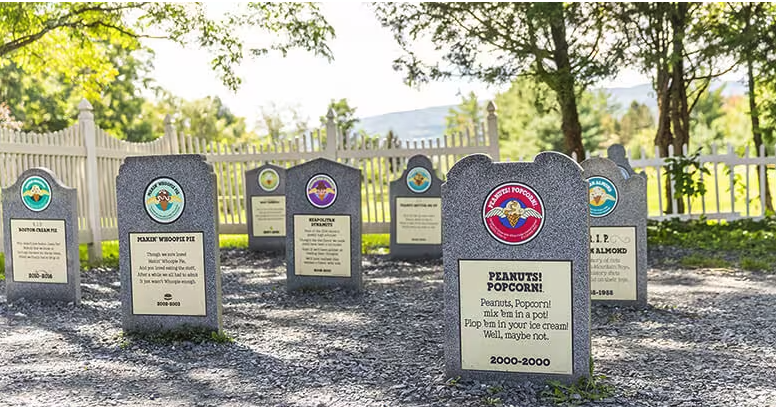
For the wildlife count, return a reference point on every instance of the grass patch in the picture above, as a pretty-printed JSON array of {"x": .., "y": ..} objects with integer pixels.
[
  {"x": 749, "y": 243},
  {"x": 233, "y": 241},
  {"x": 584, "y": 390},
  {"x": 2, "y": 266},
  {"x": 696, "y": 260},
  {"x": 375, "y": 243},
  {"x": 183, "y": 334},
  {"x": 755, "y": 264}
]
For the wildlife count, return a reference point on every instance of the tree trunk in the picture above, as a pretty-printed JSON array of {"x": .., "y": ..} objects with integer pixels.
[
  {"x": 757, "y": 135},
  {"x": 680, "y": 115},
  {"x": 664, "y": 137},
  {"x": 565, "y": 89}
]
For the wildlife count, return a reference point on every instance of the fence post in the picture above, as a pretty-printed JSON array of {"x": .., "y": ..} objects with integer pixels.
[
  {"x": 87, "y": 128},
  {"x": 493, "y": 132},
  {"x": 171, "y": 135},
  {"x": 331, "y": 136}
]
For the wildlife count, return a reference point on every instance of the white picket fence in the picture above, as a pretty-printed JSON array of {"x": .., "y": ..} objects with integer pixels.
[
  {"x": 87, "y": 158},
  {"x": 732, "y": 185}
]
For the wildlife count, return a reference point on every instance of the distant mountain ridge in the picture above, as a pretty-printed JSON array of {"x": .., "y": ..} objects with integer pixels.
[{"x": 430, "y": 122}]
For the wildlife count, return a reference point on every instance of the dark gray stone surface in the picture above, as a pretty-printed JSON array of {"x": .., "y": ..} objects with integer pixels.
[
  {"x": 198, "y": 183},
  {"x": 616, "y": 153},
  {"x": 562, "y": 238},
  {"x": 346, "y": 205},
  {"x": 62, "y": 206},
  {"x": 431, "y": 198},
  {"x": 630, "y": 212},
  {"x": 263, "y": 241}
]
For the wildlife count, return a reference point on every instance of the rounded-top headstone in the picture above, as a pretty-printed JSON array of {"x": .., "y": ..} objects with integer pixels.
[
  {"x": 169, "y": 259},
  {"x": 617, "y": 153},
  {"x": 39, "y": 211},
  {"x": 516, "y": 271},
  {"x": 323, "y": 225},
  {"x": 265, "y": 196},
  {"x": 618, "y": 233},
  {"x": 416, "y": 211}
]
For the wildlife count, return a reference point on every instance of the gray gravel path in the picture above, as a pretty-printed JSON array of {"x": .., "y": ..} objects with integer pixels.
[{"x": 707, "y": 339}]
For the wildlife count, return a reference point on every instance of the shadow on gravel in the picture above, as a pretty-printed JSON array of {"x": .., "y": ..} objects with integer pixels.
[{"x": 716, "y": 347}]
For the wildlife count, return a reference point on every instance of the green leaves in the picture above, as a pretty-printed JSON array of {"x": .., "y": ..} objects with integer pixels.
[
  {"x": 67, "y": 39},
  {"x": 684, "y": 172}
]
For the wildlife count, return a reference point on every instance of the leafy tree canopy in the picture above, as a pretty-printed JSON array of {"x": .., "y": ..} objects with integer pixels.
[{"x": 67, "y": 38}]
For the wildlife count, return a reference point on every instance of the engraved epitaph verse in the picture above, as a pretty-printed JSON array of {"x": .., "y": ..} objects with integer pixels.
[
  {"x": 39, "y": 251},
  {"x": 612, "y": 263},
  {"x": 419, "y": 220},
  {"x": 168, "y": 273},
  {"x": 322, "y": 245},
  {"x": 269, "y": 216},
  {"x": 516, "y": 316}
]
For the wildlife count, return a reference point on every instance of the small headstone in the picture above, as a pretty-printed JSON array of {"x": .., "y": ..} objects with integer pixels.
[
  {"x": 323, "y": 226},
  {"x": 618, "y": 234},
  {"x": 416, "y": 212},
  {"x": 516, "y": 257},
  {"x": 40, "y": 219},
  {"x": 616, "y": 153},
  {"x": 265, "y": 195},
  {"x": 168, "y": 244}
]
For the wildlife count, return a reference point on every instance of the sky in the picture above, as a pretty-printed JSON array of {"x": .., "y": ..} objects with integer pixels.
[{"x": 361, "y": 72}]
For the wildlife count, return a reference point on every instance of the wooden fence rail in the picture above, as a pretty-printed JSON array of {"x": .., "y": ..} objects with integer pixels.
[{"x": 87, "y": 158}]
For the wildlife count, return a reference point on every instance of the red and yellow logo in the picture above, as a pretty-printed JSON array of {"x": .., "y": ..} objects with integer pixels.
[{"x": 513, "y": 213}]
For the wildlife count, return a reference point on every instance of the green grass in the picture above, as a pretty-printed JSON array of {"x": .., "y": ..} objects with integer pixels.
[
  {"x": 696, "y": 260},
  {"x": 375, "y": 244},
  {"x": 585, "y": 389},
  {"x": 747, "y": 242}
]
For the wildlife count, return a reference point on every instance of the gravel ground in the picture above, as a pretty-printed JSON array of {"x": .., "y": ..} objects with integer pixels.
[{"x": 707, "y": 339}]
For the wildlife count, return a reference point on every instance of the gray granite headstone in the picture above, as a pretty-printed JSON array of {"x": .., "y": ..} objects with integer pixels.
[
  {"x": 168, "y": 244},
  {"x": 40, "y": 219},
  {"x": 323, "y": 226},
  {"x": 516, "y": 257},
  {"x": 265, "y": 200},
  {"x": 416, "y": 212},
  {"x": 616, "y": 153},
  {"x": 618, "y": 234}
]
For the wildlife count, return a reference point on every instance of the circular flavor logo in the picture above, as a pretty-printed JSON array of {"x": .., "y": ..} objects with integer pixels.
[
  {"x": 603, "y": 196},
  {"x": 419, "y": 180},
  {"x": 164, "y": 200},
  {"x": 321, "y": 191},
  {"x": 513, "y": 213},
  {"x": 269, "y": 179},
  {"x": 36, "y": 193}
]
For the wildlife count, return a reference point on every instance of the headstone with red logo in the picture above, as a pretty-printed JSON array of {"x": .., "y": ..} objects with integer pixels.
[
  {"x": 323, "y": 226},
  {"x": 618, "y": 234},
  {"x": 516, "y": 269},
  {"x": 168, "y": 244}
]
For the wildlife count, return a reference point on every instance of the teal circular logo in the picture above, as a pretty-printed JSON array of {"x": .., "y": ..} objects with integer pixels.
[
  {"x": 603, "y": 196},
  {"x": 418, "y": 180},
  {"x": 36, "y": 193},
  {"x": 164, "y": 200}
]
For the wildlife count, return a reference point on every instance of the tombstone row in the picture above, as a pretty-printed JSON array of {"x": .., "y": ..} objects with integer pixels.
[{"x": 525, "y": 246}]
